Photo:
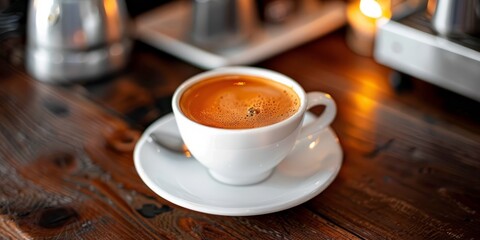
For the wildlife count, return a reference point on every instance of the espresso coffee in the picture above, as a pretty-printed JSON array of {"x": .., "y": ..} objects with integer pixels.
[{"x": 239, "y": 102}]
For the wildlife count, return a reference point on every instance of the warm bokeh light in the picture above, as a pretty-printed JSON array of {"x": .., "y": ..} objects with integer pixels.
[
  {"x": 111, "y": 11},
  {"x": 366, "y": 99},
  {"x": 363, "y": 16},
  {"x": 371, "y": 8},
  {"x": 375, "y": 8}
]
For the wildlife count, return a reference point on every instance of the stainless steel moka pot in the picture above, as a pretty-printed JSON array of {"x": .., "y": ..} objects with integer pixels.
[{"x": 76, "y": 40}]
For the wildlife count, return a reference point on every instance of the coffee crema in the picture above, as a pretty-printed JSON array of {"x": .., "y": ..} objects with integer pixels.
[{"x": 239, "y": 102}]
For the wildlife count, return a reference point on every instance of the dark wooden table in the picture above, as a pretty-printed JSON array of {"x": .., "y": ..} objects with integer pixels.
[{"x": 411, "y": 168}]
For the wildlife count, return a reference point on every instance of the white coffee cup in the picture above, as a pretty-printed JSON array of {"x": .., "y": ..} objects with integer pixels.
[{"x": 248, "y": 156}]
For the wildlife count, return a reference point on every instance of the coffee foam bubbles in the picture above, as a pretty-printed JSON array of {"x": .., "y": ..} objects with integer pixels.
[
  {"x": 230, "y": 111},
  {"x": 237, "y": 102}
]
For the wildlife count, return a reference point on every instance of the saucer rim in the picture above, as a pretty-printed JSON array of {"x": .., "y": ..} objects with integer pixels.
[{"x": 228, "y": 211}]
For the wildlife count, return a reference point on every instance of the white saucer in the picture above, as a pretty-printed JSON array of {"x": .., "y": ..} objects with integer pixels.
[{"x": 308, "y": 170}]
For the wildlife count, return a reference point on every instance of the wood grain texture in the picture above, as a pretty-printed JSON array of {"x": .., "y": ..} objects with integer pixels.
[
  {"x": 411, "y": 167},
  {"x": 411, "y": 159},
  {"x": 66, "y": 172}
]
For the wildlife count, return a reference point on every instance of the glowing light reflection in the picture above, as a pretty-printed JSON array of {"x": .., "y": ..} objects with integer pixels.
[
  {"x": 371, "y": 8},
  {"x": 313, "y": 144},
  {"x": 111, "y": 10}
]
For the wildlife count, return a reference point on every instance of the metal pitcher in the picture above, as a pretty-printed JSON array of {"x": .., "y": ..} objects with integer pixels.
[
  {"x": 76, "y": 40},
  {"x": 220, "y": 24}
]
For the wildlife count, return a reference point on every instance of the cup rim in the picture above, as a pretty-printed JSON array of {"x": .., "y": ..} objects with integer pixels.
[{"x": 240, "y": 70}]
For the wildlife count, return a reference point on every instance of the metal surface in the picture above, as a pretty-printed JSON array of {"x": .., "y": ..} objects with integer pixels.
[
  {"x": 168, "y": 28},
  {"x": 457, "y": 17},
  {"x": 411, "y": 46},
  {"x": 70, "y": 40},
  {"x": 221, "y": 23}
]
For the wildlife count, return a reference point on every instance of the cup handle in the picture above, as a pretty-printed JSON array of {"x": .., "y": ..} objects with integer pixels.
[{"x": 324, "y": 120}]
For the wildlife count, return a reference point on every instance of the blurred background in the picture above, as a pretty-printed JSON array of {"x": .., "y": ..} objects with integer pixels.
[{"x": 91, "y": 41}]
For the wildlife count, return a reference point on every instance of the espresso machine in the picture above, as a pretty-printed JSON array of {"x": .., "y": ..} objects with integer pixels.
[{"x": 439, "y": 43}]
